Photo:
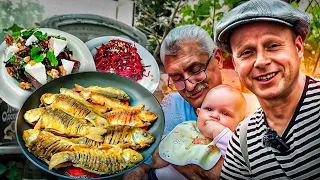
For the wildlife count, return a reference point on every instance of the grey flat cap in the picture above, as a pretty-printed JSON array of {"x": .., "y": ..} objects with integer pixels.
[{"x": 261, "y": 10}]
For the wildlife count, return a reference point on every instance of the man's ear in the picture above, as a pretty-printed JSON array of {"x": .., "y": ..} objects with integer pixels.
[
  {"x": 299, "y": 46},
  {"x": 219, "y": 58},
  {"x": 198, "y": 111}
]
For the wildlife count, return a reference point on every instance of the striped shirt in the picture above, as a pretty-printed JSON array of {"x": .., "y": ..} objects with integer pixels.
[{"x": 301, "y": 161}]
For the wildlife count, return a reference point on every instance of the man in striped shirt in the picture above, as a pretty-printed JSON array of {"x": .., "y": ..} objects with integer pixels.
[{"x": 282, "y": 138}]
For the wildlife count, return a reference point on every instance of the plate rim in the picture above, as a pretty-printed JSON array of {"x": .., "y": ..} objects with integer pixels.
[
  {"x": 26, "y": 153},
  {"x": 91, "y": 44},
  {"x": 82, "y": 49}
]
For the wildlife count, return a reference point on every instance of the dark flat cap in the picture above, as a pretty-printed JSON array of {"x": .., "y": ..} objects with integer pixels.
[{"x": 261, "y": 10}]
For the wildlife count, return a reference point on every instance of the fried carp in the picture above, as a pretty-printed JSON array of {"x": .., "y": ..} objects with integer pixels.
[
  {"x": 61, "y": 123},
  {"x": 100, "y": 110},
  {"x": 73, "y": 107},
  {"x": 106, "y": 91},
  {"x": 109, "y": 103},
  {"x": 97, "y": 161},
  {"x": 44, "y": 144},
  {"x": 132, "y": 117},
  {"x": 122, "y": 136}
]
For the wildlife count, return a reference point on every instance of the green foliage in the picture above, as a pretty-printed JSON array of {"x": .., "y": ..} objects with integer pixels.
[
  {"x": 206, "y": 13},
  {"x": 23, "y": 13},
  {"x": 11, "y": 170},
  {"x": 312, "y": 43},
  {"x": 199, "y": 14},
  {"x": 153, "y": 18}
]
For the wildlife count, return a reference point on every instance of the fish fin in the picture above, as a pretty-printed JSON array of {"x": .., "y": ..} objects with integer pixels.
[
  {"x": 55, "y": 132},
  {"x": 107, "y": 146},
  {"x": 96, "y": 120},
  {"x": 148, "y": 116},
  {"x": 140, "y": 106},
  {"x": 123, "y": 146},
  {"x": 38, "y": 125},
  {"x": 95, "y": 133},
  {"x": 58, "y": 160},
  {"x": 95, "y": 137},
  {"x": 77, "y": 87}
]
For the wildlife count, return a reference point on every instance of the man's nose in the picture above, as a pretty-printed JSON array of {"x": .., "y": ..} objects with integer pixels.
[
  {"x": 261, "y": 60},
  {"x": 189, "y": 85}
]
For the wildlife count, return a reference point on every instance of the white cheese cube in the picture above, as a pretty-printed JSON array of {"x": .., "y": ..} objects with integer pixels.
[
  {"x": 31, "y": 39},
  {"x": 57, "y": 45},
  {"x": 38, "y": 71},
  {"x": 10, "y": 52},
  {"x": 67, "y": 65}
]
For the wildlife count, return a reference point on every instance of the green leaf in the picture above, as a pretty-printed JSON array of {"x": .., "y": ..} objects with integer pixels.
[
  {"x": 3, "y": 169},
  {"x": 59, "y": 37},
  {"x": 13, "y": 59},
  {"x": 15, "y": 28},
  {"x": 39, "y": 35},
  {"x": 39, "y": 58},
  {"x": 11, "y": 163},
  {"x": 11, "y": 174},
  {"x": 26, "y": 34},
  {"x": 52, "y": 58},
  {"x": 295, "y": 4},
  {"x": 30, "y": 29},
  {"x": 34, "y": 51},
  {"x": 219, "y": 16},
  {"x": 16, "y": 34}
]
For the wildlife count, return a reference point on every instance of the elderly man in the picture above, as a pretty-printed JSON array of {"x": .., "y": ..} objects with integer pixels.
[
  {"x": 193, "y": 63},
  {"x": 281, "y": 140}
]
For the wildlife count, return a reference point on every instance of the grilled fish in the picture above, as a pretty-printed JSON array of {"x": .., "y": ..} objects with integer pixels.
[
  {"x": 73, "y": 107},
  {"x": 132, "y": 117},
  {"x": 62, "y": 123},
  {"x": 100, "y": 110},
  {"x": 44, "y": 144},
  {"x": 122, "y": 136},
  {"x": 100, "y": 99},
  {"x": 107, "y": 91},
  {"x": 97, "y": 161}
]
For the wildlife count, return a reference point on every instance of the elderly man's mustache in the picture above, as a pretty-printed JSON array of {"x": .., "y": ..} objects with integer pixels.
[{"x": 197, "y": 89}]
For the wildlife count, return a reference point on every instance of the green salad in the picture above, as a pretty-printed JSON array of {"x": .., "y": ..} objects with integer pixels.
[{"x": 34, "y": 57}]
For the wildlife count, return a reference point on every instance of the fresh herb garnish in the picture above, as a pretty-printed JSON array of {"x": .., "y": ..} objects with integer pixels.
[
  {"x": 39, "y": 35},
  {"x": 34, "y": 51},
  {"x": 39, "y": 58},
  {"x": 16, "y": 35},
  {"x": 13, "y": 59},
  {"x": 52, "y": 58}
]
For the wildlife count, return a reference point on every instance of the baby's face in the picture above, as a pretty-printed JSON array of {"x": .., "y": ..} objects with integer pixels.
[{"x": 220, "y": 106}]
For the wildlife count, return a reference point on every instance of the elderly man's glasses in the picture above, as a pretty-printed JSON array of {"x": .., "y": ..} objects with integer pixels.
[{"x": 194, "y": 78}]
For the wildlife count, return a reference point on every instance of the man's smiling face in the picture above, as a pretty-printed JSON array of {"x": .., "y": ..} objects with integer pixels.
[{"x": 267, "y": 57}]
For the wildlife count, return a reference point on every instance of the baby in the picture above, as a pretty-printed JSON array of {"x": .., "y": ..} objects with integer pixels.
[{"x": 220, "y": 113}]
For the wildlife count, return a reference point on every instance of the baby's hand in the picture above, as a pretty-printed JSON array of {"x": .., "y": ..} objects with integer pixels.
[{"x": 212, "y": 129}]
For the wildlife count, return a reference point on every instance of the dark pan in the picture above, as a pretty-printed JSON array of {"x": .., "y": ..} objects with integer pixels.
[{"x": 137, "y": 93}]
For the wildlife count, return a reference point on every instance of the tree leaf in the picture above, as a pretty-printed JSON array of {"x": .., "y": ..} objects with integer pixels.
[
  {"x": 219, "y": 16},
  {"x": 11, "y": 174},
  {"x": 3, "y": 169},
  {"x": 295, "y": 4}
]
